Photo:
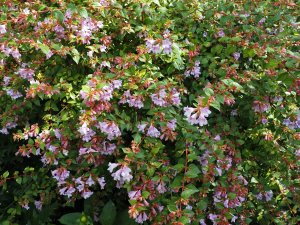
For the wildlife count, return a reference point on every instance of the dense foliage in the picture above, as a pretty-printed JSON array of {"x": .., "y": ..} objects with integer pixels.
[{"x": 167, "y": 112}]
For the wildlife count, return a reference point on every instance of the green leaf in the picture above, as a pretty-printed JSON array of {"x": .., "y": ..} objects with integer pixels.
[
  {"x": 6, "y": 174},
  {"x": 123, "y": 219},
  {"x": 75, "y": 55},
  {"x": 216, "y": 105},
  {"x": 59, "y": 16},
  {"x": 70, "y": 219},
  {"x": 253, "y": 180},
  {"x": 193, "y": 171},
  {"x": 83, "y": 12},
  {"x": 202, "y": 204},
  {"x": 108, "y": 214},
  {"x": 191, "y": 189},
  {"x": 45, "y": 49}
]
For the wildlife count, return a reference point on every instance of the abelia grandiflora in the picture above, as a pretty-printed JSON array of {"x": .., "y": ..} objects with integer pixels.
[{"x": 114, "y": 90}]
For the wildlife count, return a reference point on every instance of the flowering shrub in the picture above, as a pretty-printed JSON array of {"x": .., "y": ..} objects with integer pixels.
[{"x": 177, "y": 112}]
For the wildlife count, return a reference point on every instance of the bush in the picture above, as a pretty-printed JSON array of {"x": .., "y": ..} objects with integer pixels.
[{"x": 177, "y": 112}]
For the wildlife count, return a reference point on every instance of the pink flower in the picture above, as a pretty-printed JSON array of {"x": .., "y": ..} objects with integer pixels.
[
  {"x": 198, "y": 117},
  {"x": 158, "y": 98},
  {"x": 101, "y": 182},
  {"x": 86, "y": 193},
  {"x": 111, "y": 129},
  {"x": 26, "y": 73},
  {"x": 15, "y": 53},
  {"x": 112, "y": 166},
  {"x": 2, "y": 29},
  {"x": 60, "y": 174},
  {"x": 141, "y": 127},
  {"x": 194, "y": 71},
  {"x": 90, "y": 181},
  {"x": 172, "y": 124},
  {"x": 153, "y": 132},
  {"x": 133, "y": 195},
  {"x": 13, "y": 94},
  {"x": 161, "y": 188},
  {"x": 167, "y": 46},
  {"x": 86, "y": 132},
  {"x": 38, "y": 205}
]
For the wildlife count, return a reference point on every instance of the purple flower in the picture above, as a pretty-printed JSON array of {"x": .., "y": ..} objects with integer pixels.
[
  {"x": 116, "y": 84},
  {"x": 101, "y": 182},
  {"x": 2, "y": 29},
  {"x": 262, "y": 20},
  {"x": 6, "y": 80},
  {"x": 194, "y": 71},
  {"x": 234, "y": 112},
  {"x": 221, "y": 33},
  {"x": 60, "y": 174},
  {"x": 111, "y": 129},
  {"x": 108, "y": 148},
  {"x": 152, "y": 47},
  {"x": 172, "y": 124},
  {"x": 197, "y": 118},
  {"x": 219, "y": 170},
  {"x": 16, "y": 54},
  {"x": 153, "y": 132},
  {"x": 217, "y": 137},
  {"x": 269, "y": 195},
  {"x": 26, "y": 73},
  {"x": 90, "y": 181},
  {"x": 70, "y": 191},
  {"x": 167, "y": 46},
  {"x": 156, "y": 49},
  {"x": 234, "y": 218},
  {"x": 86, "y": 194},
  {"x": 112, "y": 166},
  {"x": 38, "y": 205},
  {"x": 13, "y": 94},
  {"x": 133, "y": 195},
  {"x": 141, "y": 218},
  {"x": 161, "y": 188},
  {"x": 226, "y": 203},
  {"x": 175, "y": 97},
  {"x": 259, "y": 196},
  {"x": 204, "y": 34},
  {"x": 212, "y": 217},
  {"x": 264, "y": 120},
  {"x": 86, "y": 132},
  {"x": 260, "y": 106},
  {"x": 236, "y": 55},
  {"x": 243, "y": 180},
  {"x": 141, "y": 127},
  {"x": 297, "y": 153},
  {"x": 122, "y": 175},
  {"x": 202, "y": 222},
  {"x": 158, "y": 99}
]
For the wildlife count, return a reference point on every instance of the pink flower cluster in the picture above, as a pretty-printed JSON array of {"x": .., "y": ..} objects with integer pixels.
[
  {"x": 151, "y": 132},
  {"x": 122, "y": 175},
  {"x": 8, "y": 126},
  {"x": 194, "y": 71},
  {"x": 161, "y": 98},
  {"x": 109, "y": 128},
  {"x": 196, "y": 115},
  {"x": 132, "y": 100},
  {"x": 13, "y": 93},
  {"x": 260, "y": 106},
  {"x": 155, "y": 47},
  {"x": 26, "y": 73},
  {"x": 86, "y": 132}
]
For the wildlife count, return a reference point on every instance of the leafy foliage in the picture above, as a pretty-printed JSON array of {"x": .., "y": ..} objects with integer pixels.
[{"x": 154, "y": 112}]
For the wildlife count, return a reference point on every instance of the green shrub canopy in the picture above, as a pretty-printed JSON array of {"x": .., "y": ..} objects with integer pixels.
[{"x": 177, "y": 112}]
